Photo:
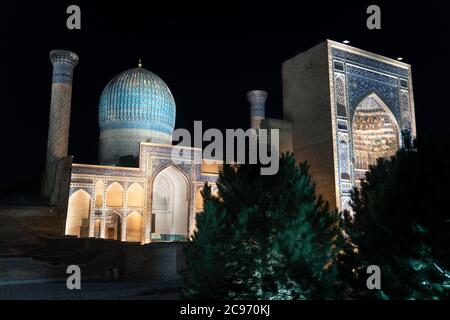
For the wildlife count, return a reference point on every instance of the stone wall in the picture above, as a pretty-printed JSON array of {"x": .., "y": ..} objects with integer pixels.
[
  {"x": 97, "y": 258},
  {"x": 24, "y": 224},
  {"x": 285, "y": 133},
  {"x": 306, "y": 104}
]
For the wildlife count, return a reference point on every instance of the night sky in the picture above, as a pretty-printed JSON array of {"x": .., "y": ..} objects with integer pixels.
[{"x": 209, "y": 54}]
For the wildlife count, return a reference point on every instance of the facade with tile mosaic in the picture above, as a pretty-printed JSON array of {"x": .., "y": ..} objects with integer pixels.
[
  {"x": 157, "y": 200},
  {"x": 343, "y": 108},
  {"x": 361, "y": 105}
]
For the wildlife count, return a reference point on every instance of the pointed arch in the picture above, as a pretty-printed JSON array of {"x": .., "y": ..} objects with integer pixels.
[
  {"x": 375, "y": 132},
  {"x": 97, "y": 228},
  {"x": 99, "y": 188},
  {"x": 170, "y": 204},
  {"x": 372, "y": 92},
  {"x": 78, "y": 213},
  {"x": 114, "y": 195},
  {"x": 134, "y": 227},
  {"x": 113, "y": 225},
  {"x": 174, "y": 167},
  {"x": 135, "y": 195}
]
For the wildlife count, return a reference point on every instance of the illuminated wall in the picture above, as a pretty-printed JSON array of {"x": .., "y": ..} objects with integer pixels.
[
  {"x": 347, "y": 107},
  {"x": 170, "y": 205},
  {"x": 78, "y": 212},
  {"x": 372, "y": 103},
  {"x": 134, "y": 227},
  {"x": 199, "y": 200},
  {"x": 114, "y": 195},
  {"x": 155, "y": 202},
  {"x": 135, "y": 195}
]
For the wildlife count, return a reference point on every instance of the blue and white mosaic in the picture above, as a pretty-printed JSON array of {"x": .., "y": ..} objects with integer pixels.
[{"x": 357, "y": 76}]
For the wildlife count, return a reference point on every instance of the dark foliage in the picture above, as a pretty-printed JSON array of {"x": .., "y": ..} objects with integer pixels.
[
  {"x": 265, "y": 237},
  {"x": 401, "y": 223}
]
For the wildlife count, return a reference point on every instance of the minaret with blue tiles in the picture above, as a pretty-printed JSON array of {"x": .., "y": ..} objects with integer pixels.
[
  {"x": 64, "y": 63},
  {"x": 257, "y": 99}
]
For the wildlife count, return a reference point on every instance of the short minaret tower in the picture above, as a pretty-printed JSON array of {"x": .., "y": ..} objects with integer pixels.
[
  {"x": 64, "y": 63},
  {"x": 257, "y": 99}
]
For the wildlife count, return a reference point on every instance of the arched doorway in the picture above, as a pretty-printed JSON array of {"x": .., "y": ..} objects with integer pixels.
[
  {"x": 170, "y": 206},
  {"x": 113, "y": 226},
  {"x": 77, "y": 223},
  {"x": 134, "y": 227},
  {"x": 97, "y": 228},
  {"x": 375, "y": 134}
]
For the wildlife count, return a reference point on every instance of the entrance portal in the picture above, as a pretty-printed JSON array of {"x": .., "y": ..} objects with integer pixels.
[
  {"x": 170, "y": 206},
  {"x": 375, "y": 134}
]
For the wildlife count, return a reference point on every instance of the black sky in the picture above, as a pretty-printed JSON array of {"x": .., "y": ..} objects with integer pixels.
[{"x": 208, "y": 53}]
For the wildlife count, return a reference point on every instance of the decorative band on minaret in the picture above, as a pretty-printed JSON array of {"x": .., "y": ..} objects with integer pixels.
[
  {"x": 257, "y": 99},
  {"x": 64, "y": 63}
]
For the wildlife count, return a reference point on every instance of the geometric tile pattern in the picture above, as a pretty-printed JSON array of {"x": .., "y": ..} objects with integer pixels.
[{"x": 355, "y": 77}]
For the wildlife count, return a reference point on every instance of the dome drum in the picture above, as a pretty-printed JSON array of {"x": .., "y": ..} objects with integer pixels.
[{"x": 116, "y": 143}]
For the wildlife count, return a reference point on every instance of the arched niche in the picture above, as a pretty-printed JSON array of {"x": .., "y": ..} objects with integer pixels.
[
  {"x": 77, "y": 222},
  {"x": 114, "y": 195},
  {"x": 99, "y": 187},
  {"x": 113, "y": 225},
  {"x": 170, "y": 205},
  {"x": 375, "y": 133},
  {"x": 135, "y": 195},
  {"x": 97, "y": 228},
  {"x": 134, "y": 227}
]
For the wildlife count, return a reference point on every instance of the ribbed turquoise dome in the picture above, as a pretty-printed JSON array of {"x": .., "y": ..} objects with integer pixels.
[{"x": 137, "y": 99}]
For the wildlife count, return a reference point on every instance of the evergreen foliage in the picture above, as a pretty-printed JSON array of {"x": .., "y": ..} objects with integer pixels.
[
  {"x": 270, "y": 237},
  {"x": 400, "y": 224},
  {"x": 265, "y": 237}
]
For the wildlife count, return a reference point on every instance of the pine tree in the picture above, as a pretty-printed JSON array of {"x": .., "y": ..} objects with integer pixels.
[
  {"x": 265, "y": 237},
  {"x": 392, "y": 227},
  {"x": 208, "y": 275}
]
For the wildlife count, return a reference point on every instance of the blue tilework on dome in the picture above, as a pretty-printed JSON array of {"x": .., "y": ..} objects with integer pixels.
[{"x": 139, "y": 99}]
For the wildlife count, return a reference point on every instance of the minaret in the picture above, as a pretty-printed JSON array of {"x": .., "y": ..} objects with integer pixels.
[
  {"x": 257, "y": 99},
  {"x": 58, "y": 130}
]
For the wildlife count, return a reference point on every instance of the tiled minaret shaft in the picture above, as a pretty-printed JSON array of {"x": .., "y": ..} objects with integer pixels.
[
  {"x": 64, "y": 63},
  {"x": 257, "y": 99}
]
